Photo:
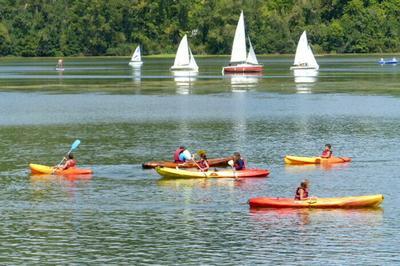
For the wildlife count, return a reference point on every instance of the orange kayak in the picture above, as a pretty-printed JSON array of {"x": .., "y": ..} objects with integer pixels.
[
  {"x": 43, "y": 169},
  {"x": 215, "y": 162},
  {"x": 343, "y": 202},
  {"x": 315, "y": 160}
]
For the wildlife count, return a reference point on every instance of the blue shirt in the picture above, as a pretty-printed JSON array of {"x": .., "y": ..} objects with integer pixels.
[
  {"x": 185, "y": 156},
  {"x": 239, "y": 165}
]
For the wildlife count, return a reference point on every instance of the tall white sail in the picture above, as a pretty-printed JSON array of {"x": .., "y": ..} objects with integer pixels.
[
  {"x": 184, "y": 59},
  {"x": 304, "y": 56},
  {"x": 136, "y": 57},
  {"x": 182, "y": 55},
  {"x": 192, "y": 63},
  {"x": 312, "y": 61},
  {"x": 239, "y": 42},
  {"x": 251, "y": 57}
]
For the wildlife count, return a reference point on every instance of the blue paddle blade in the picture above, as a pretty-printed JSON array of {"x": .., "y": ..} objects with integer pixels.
[{"x": 75, "y": 144}]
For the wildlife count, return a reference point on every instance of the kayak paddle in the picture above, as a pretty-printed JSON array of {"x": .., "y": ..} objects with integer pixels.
[
  {"x": 231, "y": 163},
  {"x": 198, "y": 166},
  {"x": 73, "y": 147}
]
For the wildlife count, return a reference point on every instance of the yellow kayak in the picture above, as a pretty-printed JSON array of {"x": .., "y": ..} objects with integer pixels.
[
  {"x": 180, "y": 173},
  {"x": 315, "y": 160},
  {"x": 343, "y": 202}
]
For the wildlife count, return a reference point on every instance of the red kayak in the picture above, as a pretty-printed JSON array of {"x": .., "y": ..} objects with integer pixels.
[{"x": 215, "y": 162}]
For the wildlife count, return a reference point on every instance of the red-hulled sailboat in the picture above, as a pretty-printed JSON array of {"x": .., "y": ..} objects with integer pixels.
[{"x": 241, "y": 62}]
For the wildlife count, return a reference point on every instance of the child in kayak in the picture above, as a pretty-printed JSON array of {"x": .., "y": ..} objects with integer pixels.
[
  {"x": 302, "y": 191},
  {"x": 238, "y": 162},
  {"x": 203, "y": 164},
  {"x": 327, "y": 153},
  {"x": 69, "y": 163}
]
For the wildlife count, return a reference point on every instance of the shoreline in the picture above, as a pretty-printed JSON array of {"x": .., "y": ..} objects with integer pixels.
[{"x": 198, "y": 56}]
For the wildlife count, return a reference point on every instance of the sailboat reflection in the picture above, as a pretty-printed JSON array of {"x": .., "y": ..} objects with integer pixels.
[
  {"x": 242, "y": 82},
  {"x": 305, "y": 79},
  {"x": 184, "y": 81},
  {"x": 137, "y": 74}
]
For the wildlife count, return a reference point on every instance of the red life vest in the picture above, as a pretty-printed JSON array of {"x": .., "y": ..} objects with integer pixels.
[
  {"x": 69, "y": 164},
  {"x": 176, "y": 155},
  {"x": 305, "y": 193}
]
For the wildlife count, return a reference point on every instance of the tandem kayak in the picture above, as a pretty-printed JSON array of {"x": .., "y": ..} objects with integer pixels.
[
  {"x": 215, "y": 162},
  {"x": 43, "y": 169},
  {"x": 315, "y": 160},
  {"x": 180, "y": 173},
  {"x": 344, "y": 202}
]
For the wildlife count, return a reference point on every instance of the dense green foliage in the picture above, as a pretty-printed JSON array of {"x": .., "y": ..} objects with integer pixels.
[{"x": 115, "y": 27}]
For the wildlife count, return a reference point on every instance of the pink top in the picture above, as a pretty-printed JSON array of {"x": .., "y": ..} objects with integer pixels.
[{"x": 69, "y": 164}]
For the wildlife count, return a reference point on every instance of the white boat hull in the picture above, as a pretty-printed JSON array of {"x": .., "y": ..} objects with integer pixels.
[
  {"x": 184, "y": 68},
  {"x": 136, "y": 63},
  {"x": 304, "y": 67}
]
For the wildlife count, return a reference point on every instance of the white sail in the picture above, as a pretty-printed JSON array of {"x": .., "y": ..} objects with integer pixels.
[
  {"x": 136, "y": 57},
  {"x": 311, "y": 58},
  {"x": 239, "y": 42},
  {"x": 184, "y": 59},
  {"x": 251, "y": 57},
  {"x": 192, "y": 63},
  {"x": 182, "y": 55},
  {"x": 304, "y": 56}
]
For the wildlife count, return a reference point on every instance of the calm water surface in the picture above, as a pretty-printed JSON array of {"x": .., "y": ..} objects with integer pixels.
[{"x": 123, "y": 116}]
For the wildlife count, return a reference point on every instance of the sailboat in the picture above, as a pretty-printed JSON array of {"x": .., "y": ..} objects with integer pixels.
[
  {"x": 184, "y": 59},
  {"x": 240, "y": 62},
  {"x": 304, "y": 58},
  {"x": 60, "y": 65},
  {"x": 136, "y": 59}
]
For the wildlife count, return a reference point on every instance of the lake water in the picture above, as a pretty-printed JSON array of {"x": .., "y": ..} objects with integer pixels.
[{"x": 124, "y": 117}]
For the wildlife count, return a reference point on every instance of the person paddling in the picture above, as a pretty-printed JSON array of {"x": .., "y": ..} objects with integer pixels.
[
  {"x": 202, "y": 164},
  {"x": 327, "y": 153},
  {"x": 69, "y": 163},
  {"x": 182, "y": 155},
  {"x": 302, "y": 191},
  {"x": 238, "y": 162}
]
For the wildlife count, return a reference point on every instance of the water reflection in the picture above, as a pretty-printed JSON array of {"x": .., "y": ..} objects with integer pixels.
[
  {"x": 305, "y": 216},
  {"x": 244, "y": 81},
  {"x": 303, "y": 168},
  {"x": 184, "y": 81},
  {"x": 305, "y": 79},
  {"x": 203, "y": 183},
  {"x": 137, "y": 74},
  {"x": 239, "y": 127},
  {"x": 44, "y": 185},
  {"x": 55, "y": 178}
]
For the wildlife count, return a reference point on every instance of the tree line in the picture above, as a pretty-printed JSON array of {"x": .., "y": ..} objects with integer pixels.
[{"x": 115, "y": 27}]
